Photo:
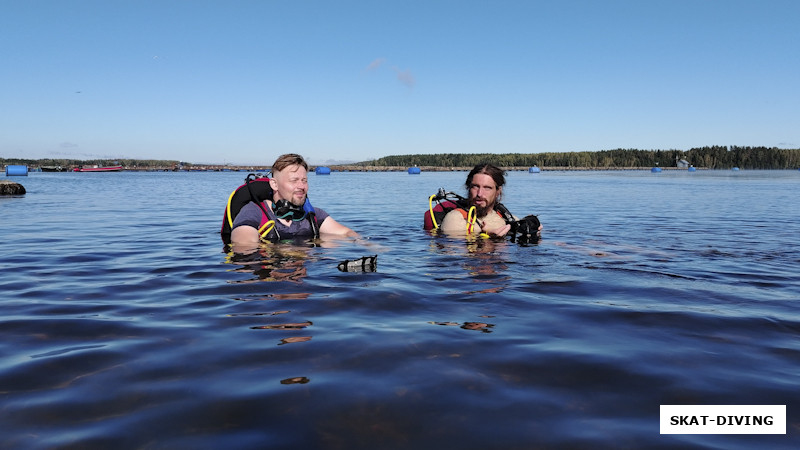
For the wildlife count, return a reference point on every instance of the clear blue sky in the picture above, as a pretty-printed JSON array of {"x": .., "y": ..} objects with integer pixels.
[{"x": 244, "y": 81}]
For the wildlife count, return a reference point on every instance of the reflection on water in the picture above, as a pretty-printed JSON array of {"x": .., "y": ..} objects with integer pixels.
[
  {"x": 283, "y": 326},
  {"x": 271, "y": 296},
  {"x": 292, "y": 340},
  {"x": 483, "y": 261},
  {"x": 295, "y": 380},
  {"x": 271, "y": 262},
  {"x": 479, "y": 326}
]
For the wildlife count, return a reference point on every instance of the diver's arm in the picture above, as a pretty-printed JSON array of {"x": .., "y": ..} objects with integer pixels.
[
  {"x": 245, "y": 234},
  {"x": 330, "y": 226},
  {"x": 245, "y": 225}
]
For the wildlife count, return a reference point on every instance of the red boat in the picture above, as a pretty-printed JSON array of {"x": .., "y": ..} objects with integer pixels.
[{"x": 97, "y": 169}]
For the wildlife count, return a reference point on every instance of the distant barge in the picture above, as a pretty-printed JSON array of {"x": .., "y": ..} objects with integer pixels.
[{"x": 97, "y": 169}]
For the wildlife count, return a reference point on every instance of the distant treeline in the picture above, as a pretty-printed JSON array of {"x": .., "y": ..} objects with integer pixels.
[
  {"x": 715, "y": 157},
  {"x": 89, "y": 162}
]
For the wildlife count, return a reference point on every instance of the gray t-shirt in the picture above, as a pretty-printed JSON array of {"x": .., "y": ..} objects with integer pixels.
[{"x": 250, "y": 214}]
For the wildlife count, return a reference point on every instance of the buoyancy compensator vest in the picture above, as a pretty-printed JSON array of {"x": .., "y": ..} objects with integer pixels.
[
  {"x": 524, "y": 230},
  {"x": 256, "y": 188}
]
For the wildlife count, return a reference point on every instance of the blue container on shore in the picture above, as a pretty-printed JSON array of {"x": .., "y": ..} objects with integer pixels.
[
  {"x": 16, "y": 170},
  {"x": 322, "y": 170},
  {"x": 414, "y": 170}
]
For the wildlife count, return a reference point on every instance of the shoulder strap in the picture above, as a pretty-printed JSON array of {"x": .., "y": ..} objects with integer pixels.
[
  {"x": 504, "y": 213},
  {"x": 312, "y": 220},
  {"x": 269, "y": 223},
  {"x": 311, "y": 215}
]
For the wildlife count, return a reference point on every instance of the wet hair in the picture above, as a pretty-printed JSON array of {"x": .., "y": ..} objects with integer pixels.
[
  {"x": 497, "y": 174},
  {"x": 289, "y": 159}
]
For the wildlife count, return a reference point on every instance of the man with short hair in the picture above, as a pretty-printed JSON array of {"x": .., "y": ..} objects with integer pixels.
[
  {"x": 485, "y": 189},
  {"x": 288, "y": 214}
]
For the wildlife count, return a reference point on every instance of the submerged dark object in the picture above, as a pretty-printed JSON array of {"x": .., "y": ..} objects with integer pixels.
[
  {"x": 365, "y": 264},
  {"x": 11, "y": 188}
]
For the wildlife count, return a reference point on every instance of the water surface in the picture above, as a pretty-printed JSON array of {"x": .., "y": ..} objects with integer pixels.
[{"x": 126, "y": 323}]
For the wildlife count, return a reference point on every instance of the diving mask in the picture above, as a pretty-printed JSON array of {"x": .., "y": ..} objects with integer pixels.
[{"x": 287, "y": 210}]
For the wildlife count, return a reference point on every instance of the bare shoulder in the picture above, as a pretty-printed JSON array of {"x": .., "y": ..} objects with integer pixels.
[{"x": 453, "y": 221}]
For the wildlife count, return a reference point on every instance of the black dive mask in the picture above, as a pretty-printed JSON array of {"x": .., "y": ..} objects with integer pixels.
[{"x": 285, "y": 209}]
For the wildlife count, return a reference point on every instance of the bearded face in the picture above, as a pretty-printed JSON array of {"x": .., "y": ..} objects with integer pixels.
[{"x": 483, "y": 193}]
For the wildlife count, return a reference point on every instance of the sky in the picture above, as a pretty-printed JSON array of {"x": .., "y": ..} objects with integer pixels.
[{"x": 241, "y": 82}]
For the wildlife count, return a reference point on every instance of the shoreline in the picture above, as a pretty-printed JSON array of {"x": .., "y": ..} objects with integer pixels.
[{"x": 355, "y": 168}]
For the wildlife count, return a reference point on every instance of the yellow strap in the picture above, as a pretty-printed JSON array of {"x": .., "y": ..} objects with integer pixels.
[
  {"x": 228, "y": 209},
  {"x": 268, "y": 227},
  {"x": 471, "y": 216},
  {"x": 430, "y": 206}
]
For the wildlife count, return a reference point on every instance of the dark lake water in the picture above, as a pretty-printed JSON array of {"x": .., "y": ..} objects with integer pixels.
[{"x": 126, "y": 323}]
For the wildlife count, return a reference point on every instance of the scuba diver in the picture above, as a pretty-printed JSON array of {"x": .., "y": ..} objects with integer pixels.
[
  {"x": 481, "y": 213},
  {"x": 277, "y": 208}
]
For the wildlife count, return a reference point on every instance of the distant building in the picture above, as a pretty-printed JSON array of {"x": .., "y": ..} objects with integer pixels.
[{"x": 682, "y": 163}]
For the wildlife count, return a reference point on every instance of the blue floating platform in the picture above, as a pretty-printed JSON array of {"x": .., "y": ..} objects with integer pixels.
[
  {"x": 16, "y": 171},
  {"x": 322, "y": 170}
]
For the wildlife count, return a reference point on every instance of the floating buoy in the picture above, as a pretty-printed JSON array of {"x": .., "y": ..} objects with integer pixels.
[
  {"x": 15, "y": 170},
  {"x": 322, "y": 170},
  {"x": 534, "y": 169},
  {"x": 414, "y": 170},
  {"x": 735, "y": 169},
  {"x": 655, "y": 169},
  {"x": 692, "y": 169}
]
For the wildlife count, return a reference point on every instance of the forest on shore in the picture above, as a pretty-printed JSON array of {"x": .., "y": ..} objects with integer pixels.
[
  {"x": 713, "y": 157},
  {"x": 67, "y": 163}
]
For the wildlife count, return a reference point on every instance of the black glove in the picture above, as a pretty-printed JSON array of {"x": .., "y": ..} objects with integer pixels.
[{"x": 527, "y": 228}]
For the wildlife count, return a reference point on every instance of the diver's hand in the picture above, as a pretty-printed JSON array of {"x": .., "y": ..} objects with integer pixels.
[{"x": 499, "y": 232}]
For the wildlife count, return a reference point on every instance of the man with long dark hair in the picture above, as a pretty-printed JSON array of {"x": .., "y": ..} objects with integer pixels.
[{"x": 485, "y": 189}]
